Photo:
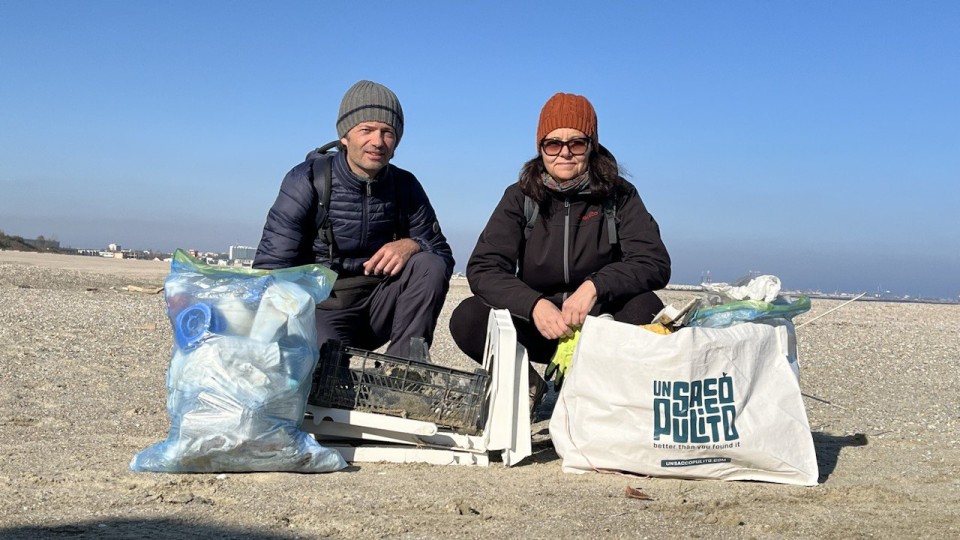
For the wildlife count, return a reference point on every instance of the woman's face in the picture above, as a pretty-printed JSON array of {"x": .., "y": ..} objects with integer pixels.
[{"x": 565, "y": 165}]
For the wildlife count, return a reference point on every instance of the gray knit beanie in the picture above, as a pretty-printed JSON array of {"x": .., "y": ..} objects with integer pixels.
[{"x": 368, "y": 101}]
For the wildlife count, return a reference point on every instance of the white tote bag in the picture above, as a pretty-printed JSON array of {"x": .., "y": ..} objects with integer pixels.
[{"x": 718, "y": 403}]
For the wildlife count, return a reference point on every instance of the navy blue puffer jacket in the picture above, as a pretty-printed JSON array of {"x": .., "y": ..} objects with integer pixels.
[{"x": 364, "y": 214}]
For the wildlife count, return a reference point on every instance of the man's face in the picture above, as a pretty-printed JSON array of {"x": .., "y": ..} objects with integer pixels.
[{"x": 370, "y": 146}]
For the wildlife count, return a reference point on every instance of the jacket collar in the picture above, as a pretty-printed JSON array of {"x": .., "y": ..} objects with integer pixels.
[{"x": 352, "y": 180}]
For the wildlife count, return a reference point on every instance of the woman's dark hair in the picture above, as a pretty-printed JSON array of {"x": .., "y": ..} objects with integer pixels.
[{"x": 602, "y": 167}]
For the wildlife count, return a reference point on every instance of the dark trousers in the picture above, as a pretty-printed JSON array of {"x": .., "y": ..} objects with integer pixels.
[
  {"x": 399, "y": 308},
  {"x": 468, "y": 325}
]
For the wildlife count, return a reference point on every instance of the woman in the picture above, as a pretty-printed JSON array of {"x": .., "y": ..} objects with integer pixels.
[{"x": 571, "y": 263}]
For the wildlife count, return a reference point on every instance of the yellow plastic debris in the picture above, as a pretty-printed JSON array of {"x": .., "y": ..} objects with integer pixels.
[{"x": 657, "y": 328}]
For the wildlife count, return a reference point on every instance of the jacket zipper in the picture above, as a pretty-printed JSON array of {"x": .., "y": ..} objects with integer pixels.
[
  {"x": 566, "y": 245},
  {"x": 365, "y": 196}
]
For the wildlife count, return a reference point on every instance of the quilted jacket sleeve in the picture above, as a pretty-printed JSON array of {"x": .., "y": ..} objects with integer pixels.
[
  {"x": 424, "y": 225},
  {"x": 288, "y": 233}
]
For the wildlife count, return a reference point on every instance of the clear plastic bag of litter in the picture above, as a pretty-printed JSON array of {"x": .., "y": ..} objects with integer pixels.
[
  {"x": 731, "y": 313},
  {"x": 243, "y": 357}
]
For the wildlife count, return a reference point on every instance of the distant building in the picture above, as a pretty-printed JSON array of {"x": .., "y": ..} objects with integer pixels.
[
  {"x": 113, "y": 247},
  {"x": 242, "y": 254}
]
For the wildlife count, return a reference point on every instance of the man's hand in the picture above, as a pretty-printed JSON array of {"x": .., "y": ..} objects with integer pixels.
[
  {"x": 549, "y": 320},
  {"x": 390, "y": 259},
  {"x": 578, "y": 305}
]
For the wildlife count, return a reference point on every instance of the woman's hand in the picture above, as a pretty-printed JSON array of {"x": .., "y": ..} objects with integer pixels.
[
  {"x": 549, "y": 320},
  {"x": 578, "y": 305}
]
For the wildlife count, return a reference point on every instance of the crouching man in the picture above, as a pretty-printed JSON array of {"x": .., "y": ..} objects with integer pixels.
[{"x": 379, "y": 232}]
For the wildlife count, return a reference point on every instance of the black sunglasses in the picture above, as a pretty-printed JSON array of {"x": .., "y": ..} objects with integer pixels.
[{"x": 577, "y": 147}]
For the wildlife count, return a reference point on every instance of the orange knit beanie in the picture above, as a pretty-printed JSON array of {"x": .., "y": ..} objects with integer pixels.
[{"x": 567, "y": 111}]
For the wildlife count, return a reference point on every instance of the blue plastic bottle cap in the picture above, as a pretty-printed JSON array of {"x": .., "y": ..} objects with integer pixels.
[{"x": 192, "y": 323}]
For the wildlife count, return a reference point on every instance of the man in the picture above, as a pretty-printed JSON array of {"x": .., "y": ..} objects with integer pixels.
[{"x": 393, "y": 262}]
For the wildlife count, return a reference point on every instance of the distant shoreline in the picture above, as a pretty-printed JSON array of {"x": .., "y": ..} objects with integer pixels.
[
  {"x": 104, "y": 265},
  {"x": 160, "y": 269},
  {"x": 835, "y": 296}
]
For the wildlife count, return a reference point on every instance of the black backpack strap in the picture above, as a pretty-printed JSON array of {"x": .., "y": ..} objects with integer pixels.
[
  {"x": 610, "y": 212},
  {"x": 322, "y": 180},
  {"x": 531, "y": 211},
  {"x": 321, "y": 170},
  {"x": 321, "y": 151}
]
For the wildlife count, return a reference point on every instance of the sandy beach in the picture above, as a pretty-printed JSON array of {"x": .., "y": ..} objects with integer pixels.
[{"x": 82, "y": 390}]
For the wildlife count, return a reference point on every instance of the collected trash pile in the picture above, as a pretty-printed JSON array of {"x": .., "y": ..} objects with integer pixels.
[
  {"x": 375, "y": 407},
  {"x": 245, "y": 359},
  {"x": 710, "y": 390},
  {"x": 749, "y": 299},
  {"x": 244, "y": 352},
  {"x": 355, "y": 379}
]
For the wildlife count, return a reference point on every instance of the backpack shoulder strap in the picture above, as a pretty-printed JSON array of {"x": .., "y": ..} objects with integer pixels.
[
  {"x": 321, "y": 171},
  {"x": 531, "y": 211},
  {"x": 610, "y": 212},
  {"x": 322, "y": 150}
]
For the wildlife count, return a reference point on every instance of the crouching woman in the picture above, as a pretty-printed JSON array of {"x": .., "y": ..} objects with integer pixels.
[{"x": 571, "y": 238}]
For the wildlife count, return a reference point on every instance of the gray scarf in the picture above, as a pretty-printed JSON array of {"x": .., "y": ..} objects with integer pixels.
[{"x": 563, "y": 186}]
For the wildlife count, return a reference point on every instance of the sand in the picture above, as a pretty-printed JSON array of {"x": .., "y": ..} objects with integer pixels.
[{"x": 82, "y": 390}]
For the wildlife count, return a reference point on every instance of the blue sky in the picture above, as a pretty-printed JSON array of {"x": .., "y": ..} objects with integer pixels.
[{"x": 818, "y": 141}]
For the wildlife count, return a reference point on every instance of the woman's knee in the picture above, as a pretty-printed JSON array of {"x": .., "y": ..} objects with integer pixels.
[
  {"x": 640, "y": 309},
  {"x": 468, "y": 327}
]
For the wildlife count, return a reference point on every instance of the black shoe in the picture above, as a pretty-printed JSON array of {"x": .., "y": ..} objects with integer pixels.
[{"x": 538, "y": 389}]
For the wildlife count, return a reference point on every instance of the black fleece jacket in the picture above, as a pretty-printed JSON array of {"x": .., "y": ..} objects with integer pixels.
[{"x": 568, "y": 245}]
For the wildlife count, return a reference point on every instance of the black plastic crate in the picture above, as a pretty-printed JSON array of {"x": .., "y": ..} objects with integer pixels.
[{"x": 355, "y": 379}]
